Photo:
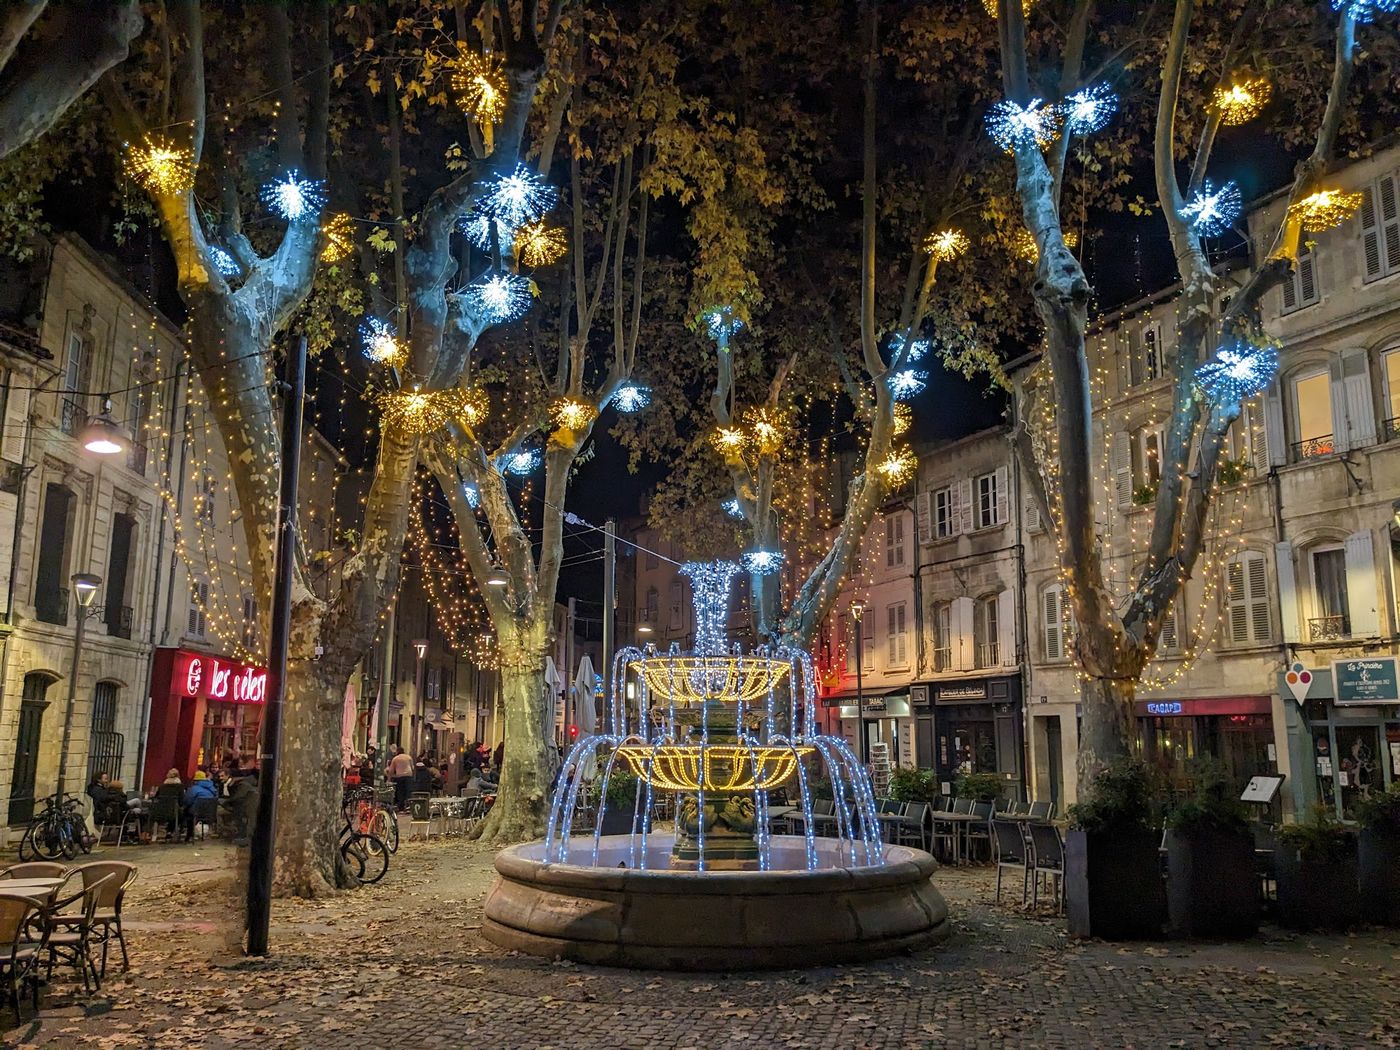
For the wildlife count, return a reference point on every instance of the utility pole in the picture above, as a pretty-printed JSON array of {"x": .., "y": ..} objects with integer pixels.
[
  {"x": 609, "y": 603},
  {"x": 264, "y": 828}
]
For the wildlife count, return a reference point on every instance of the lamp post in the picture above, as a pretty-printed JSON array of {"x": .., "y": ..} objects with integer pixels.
[
  {"x": 858, "y": 611},
  {"x": 85, "y": 587},
  {"x": 420, "y": 646}
]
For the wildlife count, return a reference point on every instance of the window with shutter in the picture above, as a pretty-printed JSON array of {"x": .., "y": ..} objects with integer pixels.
[
  {"x": 1151, "y": 352},
  {"x": 942, "y": 636},
  {"x": 923, "y": 524},
  {"x": 1379, "y": 219},
  {"x": 965, "y": 505},
  {"x": 1167, "y": 639},
  {"x": 1247, "y": 599},
  {"x": 199, "y": 602},
  {"x": 896, "y": 641},
  {"x": 1053, "y": 623},
  {"x": 1302, "y": 289},
  {"x": 1120, "y": 454},
  {"x": 991, "y": 498},
  {"x": 867, "y": 630}
]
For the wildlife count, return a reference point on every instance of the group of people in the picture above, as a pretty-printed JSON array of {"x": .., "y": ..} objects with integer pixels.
[
  {"x": 232, "y": 787},
  {"x": 428, "y": 773}
]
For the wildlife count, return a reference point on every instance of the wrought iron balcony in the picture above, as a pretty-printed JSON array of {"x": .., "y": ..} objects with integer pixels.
[
  {"x": 136, "y": 457},
  {"x": 51, "y": 606},
  {"x": 72, "y": 416},
  {"x": 118, "y": 619},
  {"x": 942, "y": 659},
  {"x": 1314, "y": 448},
  {"x": 1328, "y": 628}
]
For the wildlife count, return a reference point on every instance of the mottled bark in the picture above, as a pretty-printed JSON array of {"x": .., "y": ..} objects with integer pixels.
[
  {"x": 522, "y": 806},
  {"x": 1106, "y": 727}
]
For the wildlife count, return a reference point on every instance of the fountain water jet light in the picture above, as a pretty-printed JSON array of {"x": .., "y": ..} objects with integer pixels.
[{"x": 720, "y": 730}]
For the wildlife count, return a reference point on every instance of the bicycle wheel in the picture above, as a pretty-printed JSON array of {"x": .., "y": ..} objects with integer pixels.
[
  {"x": 52, "y": 841},
  {"x": 385, "y": 827},
  {"x": 353, "y": 857},
  {"x": 26, "y": 845},
  {"x": 375, "y": 854}
]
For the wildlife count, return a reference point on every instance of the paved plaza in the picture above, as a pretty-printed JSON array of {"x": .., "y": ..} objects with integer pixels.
[{"x": 403, "y": 964}]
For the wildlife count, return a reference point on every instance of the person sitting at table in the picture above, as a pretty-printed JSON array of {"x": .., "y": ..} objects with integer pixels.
[
  {"x": 201, "y": 788},
  {"x": 169, "y": 797},
  {"x": 422, "y": 779}
]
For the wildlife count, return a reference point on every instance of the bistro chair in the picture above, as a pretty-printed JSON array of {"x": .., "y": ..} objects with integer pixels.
[
  {"x": 70, "y": 933},
  {"x": 35, "y": 869},
  {"x": 113, "y": 877},
  {"x": 1009, "y": 847},
  {"x": 20, "y": 951},
  {"x": 1048, "y": 853},
  {"x": 1042, "y": 811},
  {"x": 911, "y": 827},
  {"x": 980, "y": 829},
  {"x": 962, "y": 805},
  {"x": 204, "y": 816},
  {"x": 165, "y": 813}
]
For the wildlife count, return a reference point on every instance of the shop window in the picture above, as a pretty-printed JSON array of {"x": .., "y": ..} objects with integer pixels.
[
  {"x": 1312, "y": 416},
  {"x": 894, "y": 541},
  {"x": 1379, "y": 219},
  {"x": 991, "y": 499},
  {"x": 1329, "y": 591},
  {"x": 1301, "y": 288},
  {"x": 942, "y": 636},
  {"x": 896, "y": 637},
  {"x": 945, "y": 522},
  {"x": 1247, "y": 599},
  {"x": 1056, "y": 622},
  {"x": 985, "y": 632},
  {"x": 197, "y": 624}
]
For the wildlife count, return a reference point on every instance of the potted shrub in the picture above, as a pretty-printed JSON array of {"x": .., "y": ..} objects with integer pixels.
[
  {"x": 1113, "y": 874},
  {"x": 620, "y": 802},
  {"x": 1212, "y": 889},
  {"x": 1316, "y": 869},
  {"x": 980, "y": 787},
  {"x": 1378, "y": 855},
  {"x": 912, "y": 785}
]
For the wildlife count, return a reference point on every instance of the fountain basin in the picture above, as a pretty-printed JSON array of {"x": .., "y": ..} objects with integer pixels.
[{"x": 655, "y": 918}]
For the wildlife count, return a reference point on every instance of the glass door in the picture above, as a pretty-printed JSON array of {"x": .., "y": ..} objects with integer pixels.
[{"x": 1357, "y": 765}]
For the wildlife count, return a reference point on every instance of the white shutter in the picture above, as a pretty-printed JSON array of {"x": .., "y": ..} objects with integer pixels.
[
  {"x": 1336, "y": 388},
  {"x": 891, "y": 637},
  {"x": 903, "y": 635},
  {"x": 1307, "y": 276},
  {"x": 923, "y": 517},
  {"x": 14, "y": 422},
  {"x": 867, "y": 628},
  {"x": 964, "y": 644},
  {"x": 1258, "y": 437},
  {"x": 1361, "y": 411},
  {"x": 1390, "y": 222},
  {"x": 1361, "y": 586},
  {"x": 1120, "y": 455},
  {"x": 1006, "y": 634},
  {"x": 1290, "y": 293},
  {"x": 9, "y": 507},
  {"x": 1257, "y": 583},
  {"x": 1274, "y": 440},
  {"x": 1032, "y": 516},
  {"x": 1373, "y": 264},
  {"x": 965, "y": 505},
  {"x": 889, "y": 541},
  {"x": 1052, "y": 625},
  {"x": 1287, "y": 591},
  {"x": 1236, "y": 604},
  {"x": 1003, "y": 506},
  {"x": 1167, "y": 639}
]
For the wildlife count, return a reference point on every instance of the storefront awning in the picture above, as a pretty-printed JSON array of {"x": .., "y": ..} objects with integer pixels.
[
  {"x": 843, "y": 697},
  {"x": 1199, "y": 706}
]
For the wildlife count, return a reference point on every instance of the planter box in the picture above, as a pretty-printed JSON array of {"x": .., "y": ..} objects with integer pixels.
[
  {"x": 1212, "y": 889},
  {"x": 1378, "y": 865},
  {"x": 619, "y": 821},
  {"x": 1113, "y": 885},
  {"x": 1316, "y": 893}
]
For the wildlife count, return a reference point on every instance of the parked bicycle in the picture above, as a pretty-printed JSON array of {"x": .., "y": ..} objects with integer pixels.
[
  {"x": 365, "y": 856},
  {"x": 370, "y": 814},
  {"x": 57, "y": 830}
]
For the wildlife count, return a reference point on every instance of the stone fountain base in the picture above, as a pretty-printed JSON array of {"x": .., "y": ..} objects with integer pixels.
[{"x": 715, "y": 920}]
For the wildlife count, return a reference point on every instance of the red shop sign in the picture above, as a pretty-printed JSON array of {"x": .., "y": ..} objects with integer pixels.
[{"x": 214, "y": 678}]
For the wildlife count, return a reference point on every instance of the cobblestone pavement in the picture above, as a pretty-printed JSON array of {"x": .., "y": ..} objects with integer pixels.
[{"x": 402, "y": 964}]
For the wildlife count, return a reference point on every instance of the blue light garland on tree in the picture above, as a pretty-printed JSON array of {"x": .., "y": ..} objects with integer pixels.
[
  {"x": 1365, "y": 10},
  {"x": 472, "y": 494},
  {"x": 521, "y": 463},
  {"x": 1034, "y": 123},
  {"x": 500, "y": 298},
  {"x": 732, "y": 508},
  {"x": 631, "y": 397},
  {"x": 293, "y": 197},
  {"x": 225, "y": 263},
  {"x": 907, "y": 383},
  {"x": 721, "y": 323},
  {"x": 520, "y": 197},
  {"x": 918, "y": 349},
  {"x": 476, "y": 227},
  {"x": 762, "y": 562},
  {"x": 1238, "y": 371},
  {"x": 1213, "y": 210}
]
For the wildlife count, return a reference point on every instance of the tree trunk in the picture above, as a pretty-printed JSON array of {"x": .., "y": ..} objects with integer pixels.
[
  {"x": 1106, "y": 726},
  {"x": 310, "y": 783},
  {"x": 522, "y": 805}
]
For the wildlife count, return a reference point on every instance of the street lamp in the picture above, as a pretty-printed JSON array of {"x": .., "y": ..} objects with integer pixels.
[
  {"x": 85, "y": 587},
  {"x": 858, "y": 611},
  {"x": 102, "y": 434},
  {"x": 420, "y": 646},
  {"x": 497, "y": 578}
]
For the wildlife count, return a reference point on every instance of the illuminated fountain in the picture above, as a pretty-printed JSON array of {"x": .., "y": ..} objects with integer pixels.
[{"x": 723, "y": 732}]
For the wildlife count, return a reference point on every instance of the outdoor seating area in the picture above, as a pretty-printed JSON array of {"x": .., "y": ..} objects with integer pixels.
[
  {"x": 444, "y": 816},
  {"x": 50, "y": 914}
]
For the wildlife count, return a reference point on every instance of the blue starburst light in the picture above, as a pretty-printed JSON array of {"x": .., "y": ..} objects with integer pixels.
[
  {"x": 918, "y": 349},
  {"x": 732, "y": 508},
  {"x": 1238, "y": 371},
  {"x": 631, "y": 397},
  {"x": 294, "y": 197},
  {"x": 907, "y": 383},
  {"x": 500, "y": 298},
  {"x": 225, "y": 263},
  {"x": 1212, "y": 210},
  {"x": 1089, "y": 109},
  {"x": 476, "y": 227},
  {"x": 1010, "y": 124},
  {"x": 379, "y": 340},
  {"x": 721, "y": 323},
  {"x": 521, "y": 463},
  {"x": 762, "y": 562},
  {"x": 1365, "y": 10},
  {"x": 520, "y": 197}
]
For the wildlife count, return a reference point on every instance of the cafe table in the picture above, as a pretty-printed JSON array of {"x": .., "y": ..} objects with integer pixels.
[{"x": 40, "y": 889}]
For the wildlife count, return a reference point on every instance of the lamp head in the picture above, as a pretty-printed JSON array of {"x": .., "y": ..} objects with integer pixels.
[
  {"x": 420, "y": 646},
  {"x": 102, "y": 436},
  {"x": 85, "y": 587},
  {"x": 497, "y": 578},
  {"x": 857, "y": 608}
]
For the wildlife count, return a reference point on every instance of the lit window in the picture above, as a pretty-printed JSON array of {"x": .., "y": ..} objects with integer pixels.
[
  {"x": 1301, "y": 289},
  {"x": 1312, "y": 416},
  {"x": 942, "y": 636},
  {"x": 991, "y": 499},
  {"x": 894, "y": 541},
  {"x": 1330, "y": 599},
  {"x": 944, "y": 522}
]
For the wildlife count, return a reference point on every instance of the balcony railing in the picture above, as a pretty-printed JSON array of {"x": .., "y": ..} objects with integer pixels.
[
  {"x": 1390, "y": 428},
  {"x": 136, "y": 458},
  {"x": 72, "y": 416},
  {"x": 988, "y": 654},
  {"x": 118, "y": 619},
  {"x": 1328, "y": 628},
  {"x": 942, "y": 659},
  {"x": 1314, "y": 448},
  {"x": 51, "y": 606}
]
